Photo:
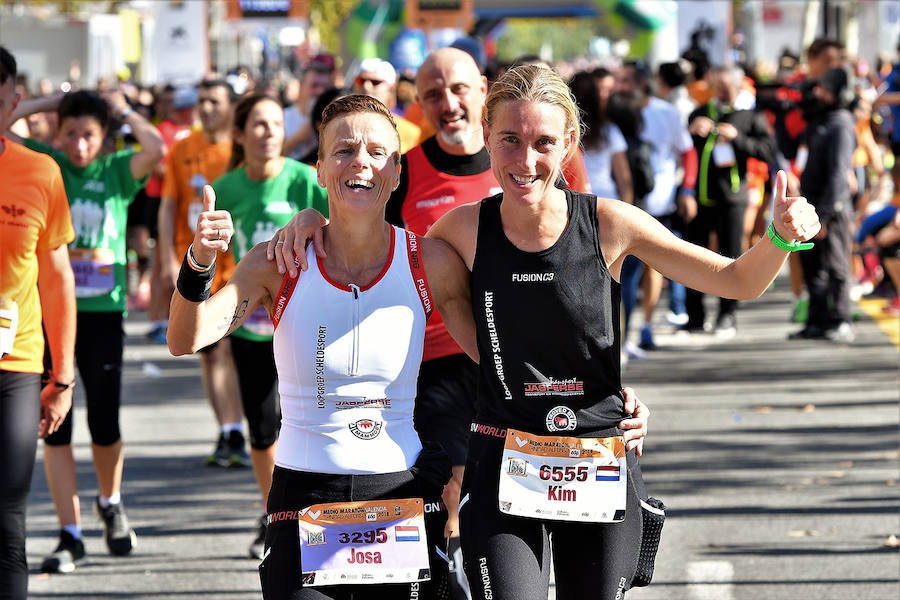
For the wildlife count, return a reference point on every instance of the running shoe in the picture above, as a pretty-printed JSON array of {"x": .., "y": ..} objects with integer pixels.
[
  {"x": 842, "y": 334},
  {"x": 810, "y": 332},
  {"x": 690, "y": 327},
  {"x": 633, "y": 352},
  {"x": 237, "y": 452},
  {"x": 258, "y": 546},
  {"x": 158, "y": 334},
  {"x": 726, "y": 326},
  {"x": 676, "y": 320},
  {"x": 646, "y": 338},
  {"x": 221, "y": 454},
  {"x": 67, "y": 555},
  {"x": 892, "y": 309},
  {"x": 863, "y": 288},
  {"x": 120, "y": 538},
  {"x": 800, "y": 312}
]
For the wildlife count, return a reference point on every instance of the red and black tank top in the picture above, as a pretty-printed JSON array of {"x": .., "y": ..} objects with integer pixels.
[{"x": 430, "y": 194}]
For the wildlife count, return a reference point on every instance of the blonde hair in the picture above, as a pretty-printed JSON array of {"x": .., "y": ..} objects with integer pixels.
[{"x": 535, "y": 83}]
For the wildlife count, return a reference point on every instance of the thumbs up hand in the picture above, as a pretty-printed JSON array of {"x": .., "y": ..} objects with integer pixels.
[
  {"x": 793, "y": 217},
  {"x": 214, "y": 229}
]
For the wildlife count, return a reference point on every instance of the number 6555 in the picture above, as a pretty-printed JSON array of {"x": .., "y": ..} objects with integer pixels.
[{"x": 558, "y": 473}]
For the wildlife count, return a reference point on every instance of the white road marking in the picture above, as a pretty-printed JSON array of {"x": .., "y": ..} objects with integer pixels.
[{"x": 710, "y": 580}]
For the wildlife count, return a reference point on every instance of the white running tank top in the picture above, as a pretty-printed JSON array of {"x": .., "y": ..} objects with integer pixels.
[{"x": 348, "y": 360}]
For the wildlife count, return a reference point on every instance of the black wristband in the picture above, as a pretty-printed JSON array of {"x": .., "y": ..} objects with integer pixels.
[
  {"x": 194, "y": 285},
  {"x": 64, "y": 386}
]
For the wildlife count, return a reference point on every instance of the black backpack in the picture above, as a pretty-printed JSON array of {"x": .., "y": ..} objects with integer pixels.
[{"x": 638, "y": 155}]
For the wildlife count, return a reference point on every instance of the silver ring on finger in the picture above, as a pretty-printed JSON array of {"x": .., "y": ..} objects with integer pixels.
[{"x": 279, "y": 242}]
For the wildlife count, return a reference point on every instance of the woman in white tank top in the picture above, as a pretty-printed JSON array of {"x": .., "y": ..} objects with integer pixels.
[{"x": 348, "y": 343}]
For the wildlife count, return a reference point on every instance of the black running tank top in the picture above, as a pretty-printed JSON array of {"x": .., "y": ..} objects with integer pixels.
[{"x": 548, "y": 327}]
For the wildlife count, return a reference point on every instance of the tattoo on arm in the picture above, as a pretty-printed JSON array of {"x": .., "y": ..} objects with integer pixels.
[
  {"x": 239, "y": 313},
  {"x": 229, "y": 324}
]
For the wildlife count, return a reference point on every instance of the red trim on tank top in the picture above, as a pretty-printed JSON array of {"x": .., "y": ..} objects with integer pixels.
[
  {"x": 288, "y": 285},
  {"x": 347, "y": 288},
  {"x": 417, "y": 269}
]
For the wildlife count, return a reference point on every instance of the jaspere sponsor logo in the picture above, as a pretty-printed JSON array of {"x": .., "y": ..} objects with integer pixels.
[
  {"x": 564, "y": 387},
  {"x": 364, "y": 403}
]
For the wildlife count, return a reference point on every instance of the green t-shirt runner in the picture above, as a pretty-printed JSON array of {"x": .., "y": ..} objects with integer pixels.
[
  {"x": 99, "y": 195},
  {"x": 258, "y": 209}
]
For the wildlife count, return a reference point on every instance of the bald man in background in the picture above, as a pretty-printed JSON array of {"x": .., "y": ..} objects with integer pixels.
[{"x": 448, "y": 169}]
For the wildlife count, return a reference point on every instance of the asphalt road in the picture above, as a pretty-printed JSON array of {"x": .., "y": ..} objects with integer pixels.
[{"x": 778, "y": 462}]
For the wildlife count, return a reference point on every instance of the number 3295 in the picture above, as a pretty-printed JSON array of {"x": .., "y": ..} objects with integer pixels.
[{"x": 370, "y": 536}]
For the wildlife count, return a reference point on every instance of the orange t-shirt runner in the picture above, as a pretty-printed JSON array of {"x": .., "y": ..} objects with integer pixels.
[
  {"x": 193, "y": 163},
  {"x": 34, "y": 216}
]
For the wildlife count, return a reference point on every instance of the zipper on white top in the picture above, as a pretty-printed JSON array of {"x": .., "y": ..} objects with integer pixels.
[{"x": 353, "y": 367}]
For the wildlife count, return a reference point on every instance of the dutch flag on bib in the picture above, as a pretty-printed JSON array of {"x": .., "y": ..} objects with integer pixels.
[
  {"x": 608, "y": 473},
  {"x": 405, "y": 533}
]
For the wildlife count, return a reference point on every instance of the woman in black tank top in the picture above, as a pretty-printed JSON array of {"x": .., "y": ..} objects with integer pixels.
[
  {"x": 547, "y": 322},
  {"x": 545, "y": 297}
]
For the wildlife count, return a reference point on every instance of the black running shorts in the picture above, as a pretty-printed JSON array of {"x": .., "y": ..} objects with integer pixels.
[
  {"x": 445, "y": 403},
  {"x": 280, "y": 570}
]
